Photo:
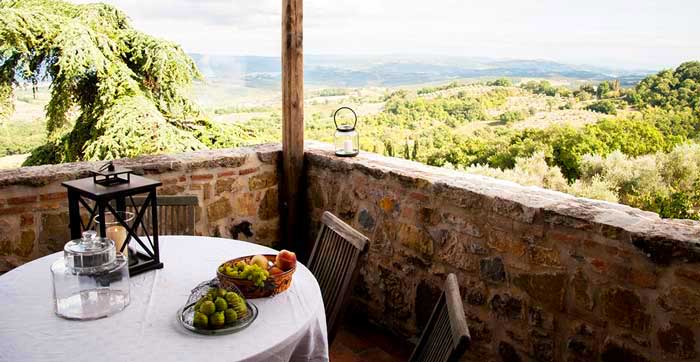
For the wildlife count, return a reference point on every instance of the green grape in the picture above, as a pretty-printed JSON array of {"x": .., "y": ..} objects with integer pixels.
[
  {"x": 253, "y": 273},
  {"x": 230, "y": 271}
]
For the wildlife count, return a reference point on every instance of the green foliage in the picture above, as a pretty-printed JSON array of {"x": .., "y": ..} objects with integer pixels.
[
  {"x": 131, "y": 89},
  {"x": 453, "y": 111},
  {"x": 585, "y": 92},
  {"x": 330, "y": 92},
  {"x": 241, "y": 109},
  {"x": 670, "y": 89},
  {"x": 604, "y": 106},
  {"x": 428, "y": 90},
  {"x": 500, "y": 82},
  {"x": 666, "y": 183},
  {"x": 511, "y": 117},
  {"x": 546, "y": 88},
  {"x": 20, "y": 137},
  {"x": 608, "y": 89}
]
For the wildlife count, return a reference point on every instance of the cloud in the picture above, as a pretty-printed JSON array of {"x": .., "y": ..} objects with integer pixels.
[{"x": 635, "y": 32}]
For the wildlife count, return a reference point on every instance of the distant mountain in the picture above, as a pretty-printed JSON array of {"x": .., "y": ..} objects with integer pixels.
[{"x": 359, "y": 71}]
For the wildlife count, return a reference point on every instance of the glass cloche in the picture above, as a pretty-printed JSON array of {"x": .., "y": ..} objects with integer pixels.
[{"x": 92, "y": 279}]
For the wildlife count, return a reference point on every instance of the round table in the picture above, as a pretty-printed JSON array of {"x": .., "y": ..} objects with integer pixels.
[{"x": 291, "y": 326}]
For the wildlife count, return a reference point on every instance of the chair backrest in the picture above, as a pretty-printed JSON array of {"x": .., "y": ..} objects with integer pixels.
[
  {"x": 175, "y": 214},
  {"x": 333, "y": 261},
  {"x": 446, "y": 335}
]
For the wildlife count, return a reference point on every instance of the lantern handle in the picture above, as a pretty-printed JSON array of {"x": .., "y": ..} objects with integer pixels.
[
  {"x": 353, "y": 113},
  {"x": 109, "y": 166}
]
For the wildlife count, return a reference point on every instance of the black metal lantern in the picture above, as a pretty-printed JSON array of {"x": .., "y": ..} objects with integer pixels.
[
  {"x": 346, "y": 139},
  {"x": 104, "y": 196}
]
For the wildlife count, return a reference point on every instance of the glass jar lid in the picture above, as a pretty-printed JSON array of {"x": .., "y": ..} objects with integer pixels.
[{"x": 89, "y": 254}]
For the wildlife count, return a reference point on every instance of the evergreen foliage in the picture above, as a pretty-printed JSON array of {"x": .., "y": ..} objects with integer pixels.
[{"x": 115, "y": 92}]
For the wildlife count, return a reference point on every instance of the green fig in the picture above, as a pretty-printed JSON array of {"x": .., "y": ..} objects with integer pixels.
[
  {"x": 231, "y": 297},
  {"x": 200, "y": 320},
  {"x": 220, "y": 304},
  {"x": 231, "y": 315},
  {"x": 207, "y": 307},
  {"x": 217, "y": 320}
]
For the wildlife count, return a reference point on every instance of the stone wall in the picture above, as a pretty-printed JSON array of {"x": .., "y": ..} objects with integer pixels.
[
  {"x": 237, "y": 192},
  {"x": 545, "y": 276}
]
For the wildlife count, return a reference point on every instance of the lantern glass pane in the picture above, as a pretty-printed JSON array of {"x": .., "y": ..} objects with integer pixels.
[{"x": 347, "y": 143}]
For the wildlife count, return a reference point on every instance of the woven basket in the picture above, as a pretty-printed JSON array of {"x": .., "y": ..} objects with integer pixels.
[{"x": 274, "y": 284}]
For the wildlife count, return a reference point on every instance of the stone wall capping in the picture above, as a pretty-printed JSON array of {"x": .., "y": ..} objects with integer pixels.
[{"x": 152, "y": 164}]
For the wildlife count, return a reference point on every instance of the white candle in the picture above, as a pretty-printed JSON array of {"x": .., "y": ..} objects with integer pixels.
[
  {"x": 348, "y": 146},
  {"x": 118, "y": 235}
]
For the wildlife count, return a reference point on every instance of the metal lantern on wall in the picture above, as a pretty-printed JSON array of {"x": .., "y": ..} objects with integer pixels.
[
  {"x": 104, "y": 196},
  {"x": 346, "y": 139}
]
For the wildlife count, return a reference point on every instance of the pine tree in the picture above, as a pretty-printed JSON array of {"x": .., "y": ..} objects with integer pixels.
[{"x": 115, "y": 92}]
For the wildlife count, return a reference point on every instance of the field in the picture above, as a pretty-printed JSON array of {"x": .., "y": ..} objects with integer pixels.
[{"x": 237, "y": 104}]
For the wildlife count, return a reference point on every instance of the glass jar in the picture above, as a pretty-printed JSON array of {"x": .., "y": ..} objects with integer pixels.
[
  {"x": 346, "y": 138},
  {"x": 92, "y": 279}
]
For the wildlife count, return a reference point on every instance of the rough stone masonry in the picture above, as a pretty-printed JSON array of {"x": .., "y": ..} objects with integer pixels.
[
  {"x": 236, "y": 189},
  {"x": 544, "y": 276}
]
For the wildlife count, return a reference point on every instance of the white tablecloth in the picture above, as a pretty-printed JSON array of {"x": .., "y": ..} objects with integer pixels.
[{"x": 290, "y": 327}]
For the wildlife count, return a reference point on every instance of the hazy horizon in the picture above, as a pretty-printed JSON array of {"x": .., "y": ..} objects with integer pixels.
[{"x": 622, "y": 34}]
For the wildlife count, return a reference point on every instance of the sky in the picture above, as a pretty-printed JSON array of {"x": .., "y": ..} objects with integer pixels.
[{"x": 615, "y": 33}]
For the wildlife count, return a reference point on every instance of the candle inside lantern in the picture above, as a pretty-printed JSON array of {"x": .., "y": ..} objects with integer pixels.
[
  {"x": 117, "y": 233},
  {"x": 348, "y": 146}
]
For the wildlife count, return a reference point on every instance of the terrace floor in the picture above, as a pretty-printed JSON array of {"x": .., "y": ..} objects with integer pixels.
[{"x": 361, "y": 341}]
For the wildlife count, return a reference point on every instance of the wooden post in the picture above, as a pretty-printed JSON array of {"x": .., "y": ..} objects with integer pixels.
[{"x": 292, "y": 125}]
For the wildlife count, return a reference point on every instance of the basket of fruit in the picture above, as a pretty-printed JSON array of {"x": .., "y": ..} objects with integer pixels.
[
  {"x": 214, "y": 309},
  {"x": 259, "y": 276}
]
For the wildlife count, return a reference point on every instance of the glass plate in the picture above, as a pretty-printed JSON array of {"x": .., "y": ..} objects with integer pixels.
[{"x": 186, "y": 314}]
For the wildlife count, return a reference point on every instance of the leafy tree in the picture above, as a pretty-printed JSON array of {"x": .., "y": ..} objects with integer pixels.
[
  {"x": 428, "y": 90},
  {"x": 500, "y": 82},
  {"x": 585, "y": 92},
  {"x": 511, "y": 117},
  {"x": 604, "y": 106},
  {"x": 670, "y": 89},
  {"x": 128, "y": 90},
  {"x": 608, "y": 89}
]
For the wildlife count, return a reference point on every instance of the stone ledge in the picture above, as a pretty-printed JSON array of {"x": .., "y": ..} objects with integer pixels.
[
  {"x": 662, "y": 240},
  {"x": 235, "y": 157}
]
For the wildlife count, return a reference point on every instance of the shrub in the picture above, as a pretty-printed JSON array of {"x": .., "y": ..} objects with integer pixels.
[
  {"x": 604, "y": 106},
  {"x": 500, "y": 82},
  {"x": 511, "y": 116}
]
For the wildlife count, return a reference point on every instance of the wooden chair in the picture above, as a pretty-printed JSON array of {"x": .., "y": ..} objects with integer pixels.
[
  {"x": 175, "y": 214},
  {"x": 333, "y": 261},
  {"x": 446, "y": 335}
]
